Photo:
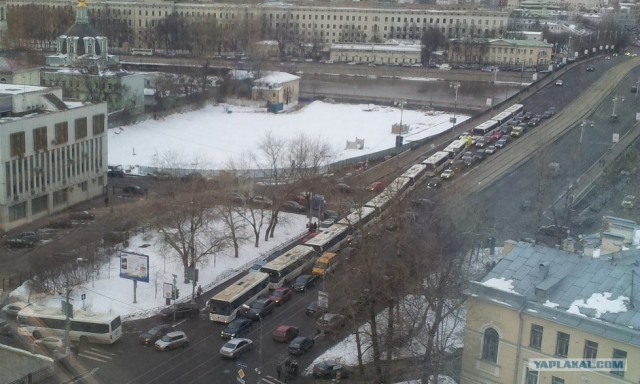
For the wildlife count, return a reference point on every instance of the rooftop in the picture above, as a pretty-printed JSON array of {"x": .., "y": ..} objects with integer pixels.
[
  {"x": 17, "y": 89},
  {"x": 569, "y": 289}
]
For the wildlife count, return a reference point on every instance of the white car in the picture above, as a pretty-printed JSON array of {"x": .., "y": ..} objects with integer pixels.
[
  {"x": 559, "y": 82},
  {"x": 13, "y": 308},
  {"x": 50, "y": 343},
  {"x": 236, "y": 347},
  {"x": 172, "y": 340},
  {"x": 447, "y": 174}
]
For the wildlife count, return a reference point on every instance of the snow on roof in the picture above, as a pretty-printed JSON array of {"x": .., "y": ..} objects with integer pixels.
[
  {"x": 601, "y": 303},
  {"x": 377, "y": 47},
  {"x": 277, "y": 78},
  {"x": 550, "y": 304},
  {"x": 17, "y": 89},
  {"x": 501, "y": 284}
]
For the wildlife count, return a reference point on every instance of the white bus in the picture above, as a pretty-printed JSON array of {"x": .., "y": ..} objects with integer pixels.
[
  {"x": 223, "y": 307},
  {"x": 329, "y": 238},
  {"x": 436, "y": 163},
  {"x": 515, "y": 109},
  {"x": 100, "y": 328},
  {"x": 415, "y": 173},
  {"x": 485, "y": 128},
  {"x": 286, "y": 267},
  {"x": 455, "y": 148},
  {"x": 142, "y": 51}
]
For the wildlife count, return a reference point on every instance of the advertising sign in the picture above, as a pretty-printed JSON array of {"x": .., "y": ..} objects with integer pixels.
[
  {"x": 134, "y": 266},
  {"x": 167, "y": 291}
]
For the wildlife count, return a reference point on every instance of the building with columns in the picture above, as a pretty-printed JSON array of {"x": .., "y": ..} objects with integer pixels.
[{"x": 53, "y": 153}]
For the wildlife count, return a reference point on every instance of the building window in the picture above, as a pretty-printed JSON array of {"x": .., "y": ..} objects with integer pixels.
[
  {"x": 556, "y": 380},
  {"x": 98, "y": 124},
  {"x": 490, "y": 345},
  {"x": 18, "y": 211},
  {"x": 590, "y": 350},
  {"x": 535, "y": 340},
  {"x": 40, "y": 138},
  {"x": 62, "y": 133},
  {"x": 619, "y": 355},
  {"x": 531, "y": 377},
  {"x": 562, "y": 344},
  {"x": 17, "y": 143},
  {"x": 39, "y": 204},
  {"x": 80, "y": 128}
]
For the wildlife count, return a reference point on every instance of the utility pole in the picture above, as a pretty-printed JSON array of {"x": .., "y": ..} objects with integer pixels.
[{"x": 455, "y": 86}]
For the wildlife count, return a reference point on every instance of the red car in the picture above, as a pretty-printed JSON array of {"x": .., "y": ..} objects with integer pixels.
[
  {"x": 285, "y": 333},
  {"x": 376, "y": 186},
  {"x": 281, "y": 295},
  {"x": 496, "y": 136}
]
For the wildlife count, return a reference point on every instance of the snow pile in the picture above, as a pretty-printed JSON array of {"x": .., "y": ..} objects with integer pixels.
[
  {"x": 550, "y": 304},
  {"x": 501, "y": 284},
  {"x": 601, "y": 303}
]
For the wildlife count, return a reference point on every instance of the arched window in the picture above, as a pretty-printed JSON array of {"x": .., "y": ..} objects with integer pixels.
[{"x": 490, "y": 345}]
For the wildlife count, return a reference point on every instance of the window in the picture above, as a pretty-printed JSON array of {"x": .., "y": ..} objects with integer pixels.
[
  {"x": 17, "y": 143},
  {"x": 81, "y": 128},
  {"x": 535, "y": 340},
  {"x": 619, "y": 355},
  {"x": 531, "y": 377},
  {"x": 40, "y": 138},
  {"x": 18, "y": 211},
  {"x": 562, "y": 344},
  {"x": 556, "y": 380},
  {"x": 62, "y": 133},
  {"x": 490, "y": 345},
  {"x": 590, "y": 350},
  {"x": 98, "y": 124}
]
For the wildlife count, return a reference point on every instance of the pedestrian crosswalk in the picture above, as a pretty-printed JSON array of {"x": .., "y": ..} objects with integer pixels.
[{"x": 95, "y": 354}]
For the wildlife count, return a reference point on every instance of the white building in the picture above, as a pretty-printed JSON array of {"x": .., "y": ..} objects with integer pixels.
[
  {"x": 277, "y": 88},
  {"x": 391, "y": 53},
  {"x": 53, "y": 153}
]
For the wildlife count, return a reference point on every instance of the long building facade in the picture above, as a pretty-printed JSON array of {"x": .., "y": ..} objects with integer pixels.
[
  {"x": 53, "y": 154},
  {"x": 308, "y": 23}
]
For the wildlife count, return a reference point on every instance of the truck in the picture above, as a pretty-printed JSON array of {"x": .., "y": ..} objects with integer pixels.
[
  {"x": 325, "y": 264},
  {"x": 517, "y": 131}
]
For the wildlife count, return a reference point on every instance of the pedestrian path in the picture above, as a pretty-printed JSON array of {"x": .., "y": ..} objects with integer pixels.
[{"x": 95, "y": 354}]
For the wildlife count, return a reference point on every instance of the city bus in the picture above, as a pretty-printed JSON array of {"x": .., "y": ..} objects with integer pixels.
[
  {"x": 291, "y": 264},
  {"x": 85, "y": 327},
  {"x": 515, "y": 109},
  {"x": 329, "y": 238},
  {"x": 484, "y": 128},
  {"x": 436, "y": 163},
  {"x": 455, "y": 148},
  {"x": 223, "y": 307},
  {"x": 415, "y": 173}
]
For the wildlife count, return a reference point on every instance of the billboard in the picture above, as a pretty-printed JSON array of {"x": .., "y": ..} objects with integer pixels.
[
  {"x": 167, "y": 291},
  {"x": 134, "y": 266}
]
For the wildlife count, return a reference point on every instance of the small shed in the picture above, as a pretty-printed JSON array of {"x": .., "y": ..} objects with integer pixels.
[{"x": 276, "y": 88}]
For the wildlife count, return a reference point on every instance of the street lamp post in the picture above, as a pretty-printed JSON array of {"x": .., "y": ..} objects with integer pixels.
[
  {"x": 259, "y": 368},
  {"x": 582, "y": 125},
  {"x": 455, "y": 86}
]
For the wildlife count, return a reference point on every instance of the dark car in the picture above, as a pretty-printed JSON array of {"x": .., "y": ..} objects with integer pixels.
[
  {"x": 533, "y": 122},
  {"x": 300, "y": 345},
  {"x": 237, "y": 328},
  {"x": 329, "y": 369},
  {"x": 133, "y": 190},
  {"x": 435, "y": 182},
  {"x": 314, "y": 309},
  {"x": 554, "y": 230},
  {"x": 293, "y": 206},
  {"x": 60, "y": 224},
  {"x": 344, "y": 188},
  {"x": 501, "y": 143},
  {"x": 23, "y": 240},
  {"x": 303, "y": 282},
  {"x": 115, "y": 171},
  {"x": 82, "y": 215},
  {"x": 281, "y": 295},
  {"x": 260, "y": 308},
  {"x": 181, "y": 310},
  {"x": 479, "y": 155},
  {"x": 527, "y": 116},
  {"x": 154, "y": 334}
]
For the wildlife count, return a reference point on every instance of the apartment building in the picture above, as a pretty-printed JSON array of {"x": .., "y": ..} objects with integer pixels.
[
  {"x": 53, "y": 154},
  {"x": 545, "y": 303},
  {"x": 309, "y": 23},
  {"x": 528, "y": 53}
]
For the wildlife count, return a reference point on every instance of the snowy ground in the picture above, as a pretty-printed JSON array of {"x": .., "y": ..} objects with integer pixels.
[{"x": 210, "y": 138}]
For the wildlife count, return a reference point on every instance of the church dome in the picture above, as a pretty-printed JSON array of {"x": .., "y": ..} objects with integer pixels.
[{"x": 81, "y": 29}]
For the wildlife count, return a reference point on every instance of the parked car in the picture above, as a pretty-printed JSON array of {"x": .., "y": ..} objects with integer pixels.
[
  {"x": 162, "y": 176},
  {"x": 303, "y": 282},
  {"x": 285, "y": 333},
  {"x": 435, "y": 182},
  {"x": 60, "y": 224},
  {"x": 23, "y": 240},
  {"x": 344, "y": 188},
  {"x": 133, "y": 190},
  {"x": 237, "y": 328},
  {"x": 300, "y": 345},
  {"x": 490, "y": 150},
  {"x": 181, "y": 310},
  {"x": 447, "y": 173},
  {"x": 293, "y": 206},
  {"x": 501, "y": 143},
  {"x": 331, "y": 322},
  {"x": 314, "y": 309},
  {"x": 192, "y": 177},
  {"x": 13, "y": 308},
  {"x": 172, "y": 340},
  {"x": 262, "y": 201},
  {"x": 236, "y": 347},
  {"x": 115, "y": 171},
  {"x": 328, "y": 369},
  {"x": 82, "y": 216},
  {"x": 554, "y": 230},
  {"x": 154, "y": 334},
  {"x": 260, "y": 308},
  {"x": 376, "y": 186},
  {"x": 281, "y": 295}
]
